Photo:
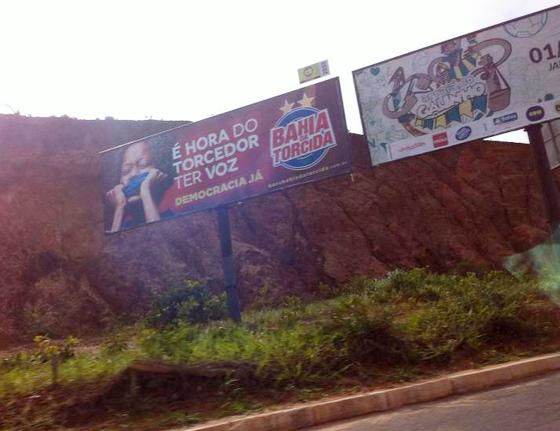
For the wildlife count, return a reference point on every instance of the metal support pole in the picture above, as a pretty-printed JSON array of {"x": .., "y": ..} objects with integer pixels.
[
  {"x": 548, "y": 183},
  {"x": 230, "y": 281}
]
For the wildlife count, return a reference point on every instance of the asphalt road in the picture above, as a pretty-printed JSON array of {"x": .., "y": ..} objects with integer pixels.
[{"x": 532, "y": 405}]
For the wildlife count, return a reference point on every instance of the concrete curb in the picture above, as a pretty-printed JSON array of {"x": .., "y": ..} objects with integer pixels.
[{"x": 323, "y": 412}]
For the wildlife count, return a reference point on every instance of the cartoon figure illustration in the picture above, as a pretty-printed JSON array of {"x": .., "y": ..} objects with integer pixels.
[
  {"x": 459, "y": 65},
  {"x": 497, "y": 87},
  {"x": 403, "y": 103},
  {"x": 442, "y": 75},
  {"x": 460, "y": 84}
]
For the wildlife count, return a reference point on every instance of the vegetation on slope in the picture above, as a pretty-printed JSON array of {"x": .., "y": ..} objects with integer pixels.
[{"x": 364, "y": 334}]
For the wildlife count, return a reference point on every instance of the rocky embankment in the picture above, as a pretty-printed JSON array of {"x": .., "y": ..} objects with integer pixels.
[{"x": 475, "y": 204}]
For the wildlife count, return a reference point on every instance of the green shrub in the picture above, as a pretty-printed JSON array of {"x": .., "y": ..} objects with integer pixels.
[
  {"x": 115, "y": 343},
  {"x": 470, "y": 312},
  {"x": 265, "y": 298},
  {"x": 365, "y": 330},
  {"x": 408, "y": 317},
  {"x": 190, "y": 302}
]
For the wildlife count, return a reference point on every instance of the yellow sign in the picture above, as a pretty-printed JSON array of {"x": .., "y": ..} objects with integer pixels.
[{"x": 313, "y": 71}]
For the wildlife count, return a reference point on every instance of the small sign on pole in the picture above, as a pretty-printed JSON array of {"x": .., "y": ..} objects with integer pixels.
[{"x": 313, "y": 71}]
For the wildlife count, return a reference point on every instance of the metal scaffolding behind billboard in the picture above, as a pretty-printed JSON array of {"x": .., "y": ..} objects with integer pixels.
[{"x": 551, "y": 135}]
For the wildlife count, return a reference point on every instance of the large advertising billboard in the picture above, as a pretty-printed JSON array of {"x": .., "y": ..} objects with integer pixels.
[
  {"x": 281, "y": 142},
  {"x": 474, "y": 86}
]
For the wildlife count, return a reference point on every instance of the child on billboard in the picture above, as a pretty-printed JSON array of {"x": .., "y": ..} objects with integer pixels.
[{"x": 136, "y": 197}]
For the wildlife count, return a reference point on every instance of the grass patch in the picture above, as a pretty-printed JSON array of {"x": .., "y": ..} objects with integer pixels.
[
  {"x": 369, "y": 332},
  {"x": 31, "y": 376}
]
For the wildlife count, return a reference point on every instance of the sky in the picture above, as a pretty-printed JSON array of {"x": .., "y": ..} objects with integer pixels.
[{"x": 188, "y": 60}]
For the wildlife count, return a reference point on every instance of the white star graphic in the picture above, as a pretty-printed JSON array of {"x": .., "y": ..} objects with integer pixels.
[
  {"x": 306, "y": 101},
  {"x": 287, "y": 107}
]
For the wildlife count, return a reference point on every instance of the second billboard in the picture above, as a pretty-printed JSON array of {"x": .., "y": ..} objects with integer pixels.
[{"x": 485, "y": 83}]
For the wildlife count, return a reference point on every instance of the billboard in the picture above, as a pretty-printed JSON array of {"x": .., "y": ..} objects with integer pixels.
[
  {"x": 551, "y": 137},
  {"x": 281, "y": 142},
  {"x": 488, "y": 82}
]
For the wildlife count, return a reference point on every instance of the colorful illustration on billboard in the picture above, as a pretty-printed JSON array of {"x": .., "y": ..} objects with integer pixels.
[
  {"x": 485, "y": 83},
  {"x": 281, "y": 142}
]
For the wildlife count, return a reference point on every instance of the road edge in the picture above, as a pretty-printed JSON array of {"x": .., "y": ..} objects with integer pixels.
[{"x": 323, "y": 412}]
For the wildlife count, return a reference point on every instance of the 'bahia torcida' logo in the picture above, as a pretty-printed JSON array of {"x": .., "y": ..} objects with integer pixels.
[{"x": 302, "y": 137}]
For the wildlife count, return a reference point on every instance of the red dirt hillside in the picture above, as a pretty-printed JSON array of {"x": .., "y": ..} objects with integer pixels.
[{"x": 475, "y": 203}]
